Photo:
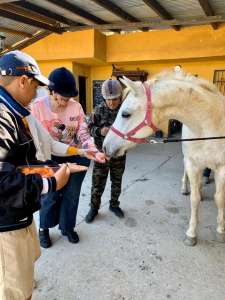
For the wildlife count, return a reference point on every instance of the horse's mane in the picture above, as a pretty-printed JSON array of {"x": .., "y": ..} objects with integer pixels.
[{"x": 182, "y": 76}]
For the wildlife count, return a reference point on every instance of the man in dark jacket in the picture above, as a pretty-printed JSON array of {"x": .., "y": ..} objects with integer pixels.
[
  {"x": 100, "y": 122},
  {"x": 19, "y": 193}
]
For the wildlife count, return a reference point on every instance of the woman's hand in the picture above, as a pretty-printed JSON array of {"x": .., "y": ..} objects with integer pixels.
[
  {"x": 62, "y": 176},
  {"x": 86, "y": 153},
  {"x": 93, "y": 155}
]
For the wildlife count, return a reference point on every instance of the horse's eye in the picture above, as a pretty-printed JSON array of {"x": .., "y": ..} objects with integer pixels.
[{"x": 125, "y": 114}]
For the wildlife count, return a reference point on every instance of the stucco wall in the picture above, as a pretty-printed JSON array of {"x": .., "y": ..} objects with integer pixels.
[{"x": 200, "y": 50}]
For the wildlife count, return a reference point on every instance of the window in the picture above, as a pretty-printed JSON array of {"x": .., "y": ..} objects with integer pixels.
[{"x": 219, "y": 80}]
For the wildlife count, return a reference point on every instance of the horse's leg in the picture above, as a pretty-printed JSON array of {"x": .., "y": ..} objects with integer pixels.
[
  {"x": 194, "y": 176},
  {"x": 220, "y": 199},
  {"x": 184, "y": 184}
]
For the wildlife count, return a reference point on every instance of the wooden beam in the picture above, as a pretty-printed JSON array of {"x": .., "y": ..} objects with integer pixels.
[
  {"x": 45, "y": 12},
  {"x": 25, "y": 43},
  {"x": 116, "y": 10},
  {"x": 6, "y": 1},
  {"x": 29, "y": 14},
  {"x": 77, "y": 10},
  {"x": 16, "y": 32},
  {"x": 153, "y": 24},
  {"x": 28, "y": 21},
  {"x": 207, "y": 8},
  {"x": 160, "y": 11}
]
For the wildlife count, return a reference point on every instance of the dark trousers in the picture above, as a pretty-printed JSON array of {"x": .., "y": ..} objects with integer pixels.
[
  {"x": 61, "y": 207},
  {"x": 116, "y": 167},
  {"x": 206, "y": 172}
]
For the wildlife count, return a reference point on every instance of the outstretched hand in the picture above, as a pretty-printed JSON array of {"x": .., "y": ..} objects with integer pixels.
[
  {"x": 100, "y": 157},
  {"x": 87, "y": 153},
  {"x": 62, "y": 176}
]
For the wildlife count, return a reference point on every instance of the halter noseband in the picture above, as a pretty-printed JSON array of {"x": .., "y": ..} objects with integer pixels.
[{"x": 146, "y": 122}]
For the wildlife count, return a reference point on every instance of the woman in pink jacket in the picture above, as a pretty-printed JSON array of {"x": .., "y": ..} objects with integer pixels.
[{"x": 63, "y": 117}]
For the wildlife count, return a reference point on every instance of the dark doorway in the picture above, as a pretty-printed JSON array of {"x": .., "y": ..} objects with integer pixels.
[{"x": 82, "y": 92}]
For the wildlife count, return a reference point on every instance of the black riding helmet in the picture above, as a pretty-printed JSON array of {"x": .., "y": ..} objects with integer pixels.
[{"x": 63, "y": 82}]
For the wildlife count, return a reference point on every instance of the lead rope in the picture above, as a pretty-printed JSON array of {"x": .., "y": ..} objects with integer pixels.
[{"x": 164, "y": 141}]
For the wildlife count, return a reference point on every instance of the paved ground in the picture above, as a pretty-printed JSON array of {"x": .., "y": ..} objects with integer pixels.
[{"x": 143, "y": 256}]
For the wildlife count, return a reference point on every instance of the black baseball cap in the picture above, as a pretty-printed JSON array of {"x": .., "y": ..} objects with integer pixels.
[{"x": 17, "y": 63}]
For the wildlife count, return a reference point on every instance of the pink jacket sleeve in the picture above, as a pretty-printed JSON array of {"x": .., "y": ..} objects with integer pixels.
[{"x": 83, "y": 133}]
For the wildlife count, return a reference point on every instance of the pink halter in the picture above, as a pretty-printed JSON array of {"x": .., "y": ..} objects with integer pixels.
[{"x": 146, "y": 122}]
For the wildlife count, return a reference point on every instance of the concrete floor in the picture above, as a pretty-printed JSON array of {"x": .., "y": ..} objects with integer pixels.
[{"x": 141, "y": 257}]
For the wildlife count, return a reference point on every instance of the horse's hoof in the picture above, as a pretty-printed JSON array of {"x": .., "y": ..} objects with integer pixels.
[
  {"x": 190, "y": 241},
  {"x": 185, "y": 193}
]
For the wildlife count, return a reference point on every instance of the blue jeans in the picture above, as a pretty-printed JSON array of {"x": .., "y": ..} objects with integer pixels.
[{"x": 61, "y": 207}]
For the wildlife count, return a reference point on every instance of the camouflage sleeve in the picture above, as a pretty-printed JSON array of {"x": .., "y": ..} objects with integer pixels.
[{"x": 95, "y": 123}]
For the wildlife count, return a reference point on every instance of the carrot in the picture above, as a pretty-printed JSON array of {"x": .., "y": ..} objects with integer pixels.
[{"x": 43, "y": 171}]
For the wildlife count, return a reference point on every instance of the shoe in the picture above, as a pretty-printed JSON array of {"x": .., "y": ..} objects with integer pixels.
[
  {"x": 72, "y": 236},
  {"x": 117, "y": 211},
  {"x": 44, "y": 238},
  {"x": 91, "y": 215}
]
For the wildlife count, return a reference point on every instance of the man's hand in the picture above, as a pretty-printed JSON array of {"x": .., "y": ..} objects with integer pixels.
[
  {"x": 100, "y": 157},
  {"x": 62, "y": 176},
  {"x": 104, "y": 131}
]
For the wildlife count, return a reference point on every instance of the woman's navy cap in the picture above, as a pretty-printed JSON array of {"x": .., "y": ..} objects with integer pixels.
[
  {"x": 63, "y": 82},
  {"x": 17, "y": 63}
]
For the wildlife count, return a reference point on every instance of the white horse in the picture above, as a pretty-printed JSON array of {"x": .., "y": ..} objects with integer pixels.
[{"x": 194, "y": 102}]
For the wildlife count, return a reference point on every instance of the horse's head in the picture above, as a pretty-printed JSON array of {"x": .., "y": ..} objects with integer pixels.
[{"x": 133, "y": 123}]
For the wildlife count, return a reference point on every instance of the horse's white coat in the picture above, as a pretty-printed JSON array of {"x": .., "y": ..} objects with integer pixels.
[{"x": 197, "y": 104}]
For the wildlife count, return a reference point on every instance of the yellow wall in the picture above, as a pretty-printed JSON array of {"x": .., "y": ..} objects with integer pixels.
[
  {"x": 199, "y": 50},
  {"x": 189, "y": 43},
  {"x": 204, "y": 68},
  {"x": 64, "y": 46},
  {"x": 100, "y": 46},
  {"x": 47, "y": 66}
]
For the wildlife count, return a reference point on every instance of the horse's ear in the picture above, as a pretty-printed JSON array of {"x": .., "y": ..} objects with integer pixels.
[
  {"x": 125, "y": 93},
  {"x": 126, "y": 81},
  {"x": 130, "y": 84}
]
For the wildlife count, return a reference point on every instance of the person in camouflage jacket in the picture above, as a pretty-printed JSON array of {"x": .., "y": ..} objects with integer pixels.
[{"x": 100, "y": 122}]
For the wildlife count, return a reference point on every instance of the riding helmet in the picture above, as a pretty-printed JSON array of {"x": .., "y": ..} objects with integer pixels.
[
  {"x": 63, "y": 82},
  {"x": 111, "y": 89}
]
